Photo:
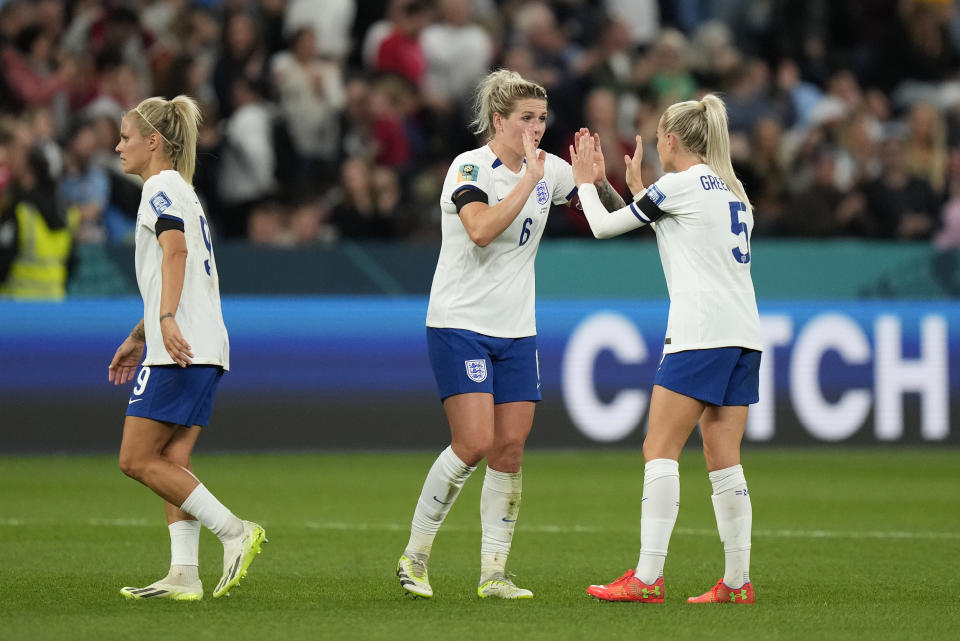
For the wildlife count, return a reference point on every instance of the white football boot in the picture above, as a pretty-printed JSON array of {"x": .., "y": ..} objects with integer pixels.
[{"x": 412, "y": 572}]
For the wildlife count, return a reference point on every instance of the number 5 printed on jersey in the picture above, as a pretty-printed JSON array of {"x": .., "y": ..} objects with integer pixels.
[{"x": 738, "y": 227}]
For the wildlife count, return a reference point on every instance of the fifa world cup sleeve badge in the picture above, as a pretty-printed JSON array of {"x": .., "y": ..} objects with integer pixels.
[{"x": 468, "y": 173}]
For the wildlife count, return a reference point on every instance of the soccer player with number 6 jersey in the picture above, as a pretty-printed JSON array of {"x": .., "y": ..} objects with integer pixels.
[
  {"x": 187, "y": 350},
  {"x": 711, "y": 355},
  {"x": 481, "y": 328}
]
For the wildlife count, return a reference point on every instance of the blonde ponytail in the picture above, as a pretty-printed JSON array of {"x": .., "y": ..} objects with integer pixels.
[
  {"x": 701, "y": 126},
  {"x": 718, "y": 146},
  {"x": 178, "y": 123},
  {"x": 498, "y": 93}
]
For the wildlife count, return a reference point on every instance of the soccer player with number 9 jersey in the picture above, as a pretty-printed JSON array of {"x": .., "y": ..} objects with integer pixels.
[
  {"x": 186, "y": 345},
  {"x": 711, "y": 354}
]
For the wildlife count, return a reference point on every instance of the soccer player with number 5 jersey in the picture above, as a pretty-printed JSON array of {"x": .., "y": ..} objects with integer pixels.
[
  {"x": 711, "y": 355},
  {"x": 186, "y": 345}
]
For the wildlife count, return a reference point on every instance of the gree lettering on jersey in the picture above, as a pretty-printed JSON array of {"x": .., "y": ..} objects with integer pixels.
[{"x": 712, "y": 182}]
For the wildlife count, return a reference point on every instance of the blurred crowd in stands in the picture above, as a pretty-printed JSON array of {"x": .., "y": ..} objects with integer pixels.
[{"x": 333, "y": 119}]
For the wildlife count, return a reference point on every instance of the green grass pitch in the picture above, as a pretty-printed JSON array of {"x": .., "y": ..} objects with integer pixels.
[{"x": 848, "y": 544}]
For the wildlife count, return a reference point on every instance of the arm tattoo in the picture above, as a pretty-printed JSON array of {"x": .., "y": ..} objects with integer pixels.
[
  {"x": 609, "y": 197},
  {"x": 138, "y": 333}
]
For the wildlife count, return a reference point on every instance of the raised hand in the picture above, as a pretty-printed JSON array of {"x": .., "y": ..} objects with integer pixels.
[
  {"x": 597, "y": 155},
  {"x": 536, "y": 162},
  {"x": 634, "y": 164},
  {"x": 582, "y": 158}
]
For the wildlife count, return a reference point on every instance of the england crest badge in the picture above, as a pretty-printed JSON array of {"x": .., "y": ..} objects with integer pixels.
[
  {"x": 476, "y": 370},
  {"x": 543, "y": 192}
]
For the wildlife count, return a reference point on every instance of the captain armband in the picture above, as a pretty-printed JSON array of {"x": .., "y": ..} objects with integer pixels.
[
  {"x": 165, "y": 224},
  {"x": 466, "y": 195},
  {"x": 645, "y": 209}
]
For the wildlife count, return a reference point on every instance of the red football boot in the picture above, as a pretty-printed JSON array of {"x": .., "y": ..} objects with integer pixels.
[
  {"x": 720, "y": 593},
  {"x": 629, "y": 588}
]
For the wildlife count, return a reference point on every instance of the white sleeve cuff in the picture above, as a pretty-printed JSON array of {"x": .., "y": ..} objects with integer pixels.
[{"x": 605, "y": 224}]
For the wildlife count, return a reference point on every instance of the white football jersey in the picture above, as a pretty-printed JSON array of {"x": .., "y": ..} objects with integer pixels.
[
  {"x": 704, "y": 239},
  {"x": 491, "y": 290},
  {"x": 168, "y": 195}
]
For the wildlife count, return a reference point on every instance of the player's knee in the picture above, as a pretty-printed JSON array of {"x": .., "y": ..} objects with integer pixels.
[
  {"x": 471, "y": 451},
  {"x": 508, "y": 462},
  {"x": 132, "y": 466},
  {"x": 506, "y": 456}
]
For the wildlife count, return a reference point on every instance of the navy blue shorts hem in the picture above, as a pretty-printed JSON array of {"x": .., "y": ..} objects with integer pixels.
[{"x": 724, "y": 376}]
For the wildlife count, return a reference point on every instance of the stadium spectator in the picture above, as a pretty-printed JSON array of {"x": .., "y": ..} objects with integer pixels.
[
  {"x": 356, "y": 125},
  {"x": 714, "y": 56},
  {"x": 392, "y": 102},
  {"x": 558, "y": 64},
  {"x": 926, "y": 147},
  {"x": 672, "y": 80},
  {"x": 765, "y": 174},
  {"x": 609, "y": 61},
  {"x": 859, "y": 140},
  {"x": 33, "y": 73},
  {"x": 749, "y": 99},
  {"x": 458, "y": 53},
  {"x": 242, "y": 55},
  {"x": 921, "y": 49},
  {"x": 602, "y": 118},
  {"x": 247, "y": 165},
  {"x": 330, "y": 21},
  {"x": 310, "y": 224},
  {"x": 267, "y": 225},
  {"x": 642, "y": 18},
  {"x": 114, "y": 30},
  {"x": 801, "y": 96},
  {"x": 903, "y": 206},
  {"x": 400, "y": 51},
  {"x": 311, "y": 94},
  {"x": 367, "y": 201},
  {"x": 36, "y": 226},
  {"x": 43, "y": 124},
  {"x": 87, "y": 188},
  {"x": 374, "y": 31},
  {"x": 822, "y": 209}
]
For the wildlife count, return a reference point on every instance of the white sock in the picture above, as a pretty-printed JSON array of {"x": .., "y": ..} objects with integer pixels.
[
  {"x": 658, "y": 514},
  {"x": 212, "y": 513},
  {"x": 182, "y": 575},
  {"x": 440, "y": 490},
  {"x": 499, "y": 508},
  {"x": 731, "y": 504},
  {"x": 184, "y": 543}
]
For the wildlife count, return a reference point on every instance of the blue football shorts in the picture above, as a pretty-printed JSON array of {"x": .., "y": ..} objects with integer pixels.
[
  {"x": 719, "y": 376},
  {"x": 174, "y": 394},
  {"x": 464, "y": 361}
]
